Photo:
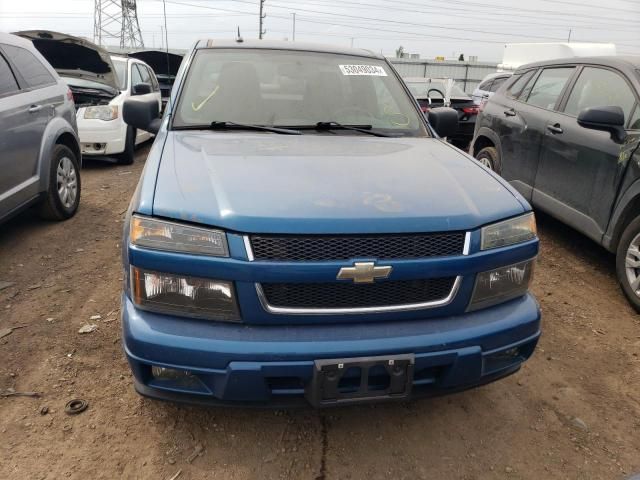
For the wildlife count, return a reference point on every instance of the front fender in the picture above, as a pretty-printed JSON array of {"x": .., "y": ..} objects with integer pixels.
[{"x": 56, "y": 127}]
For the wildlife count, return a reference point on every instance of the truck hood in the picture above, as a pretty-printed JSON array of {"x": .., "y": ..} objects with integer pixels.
[
  {"x": 325, "y": 184},
  {"x": 161, "y": 62},
  {"x": 74, "y": 57}
]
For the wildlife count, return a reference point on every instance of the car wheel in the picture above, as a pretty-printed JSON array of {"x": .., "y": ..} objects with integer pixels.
[
  {"x": 63, "y": 195},
  {"x": 628, "y": 263},
  {"x": 127, "y": 157},
  {"x": 489, "y": 157}
]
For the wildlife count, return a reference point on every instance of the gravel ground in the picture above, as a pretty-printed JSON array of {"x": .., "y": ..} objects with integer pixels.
[{"x": 572, "y": 412}]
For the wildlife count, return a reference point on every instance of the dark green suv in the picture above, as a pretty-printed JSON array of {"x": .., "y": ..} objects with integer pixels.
[{"x": 566, "y": 133}]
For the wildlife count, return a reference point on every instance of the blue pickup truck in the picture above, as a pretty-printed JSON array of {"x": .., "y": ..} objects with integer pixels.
[{"x": 302, "y": 234}]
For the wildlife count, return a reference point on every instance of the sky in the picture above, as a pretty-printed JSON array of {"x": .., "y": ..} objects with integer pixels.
[{"x": 428, "y": 27}]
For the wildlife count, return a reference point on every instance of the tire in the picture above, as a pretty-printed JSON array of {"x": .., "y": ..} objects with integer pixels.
[
  {"x": 127, "y": 157},
  {"x": 629, "y": 243},
  {"x": 63, "y": 193},
  {"x": 489, "y": 157}
]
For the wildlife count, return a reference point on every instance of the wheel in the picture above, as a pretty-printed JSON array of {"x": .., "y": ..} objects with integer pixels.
[
  {"x": 489, "y": 157},
  {"x": 628, "y": 263},
  {"x": 63, "y": 195},
  {"x": 127, "y": 157}
]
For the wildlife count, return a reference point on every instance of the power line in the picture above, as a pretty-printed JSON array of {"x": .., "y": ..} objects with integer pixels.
[
  {"x": 397, "y": 22},
  {"x": 449, "y": 9}
]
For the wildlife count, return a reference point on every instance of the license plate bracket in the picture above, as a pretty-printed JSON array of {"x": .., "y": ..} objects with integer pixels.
[{"x": 328, "y": 384}]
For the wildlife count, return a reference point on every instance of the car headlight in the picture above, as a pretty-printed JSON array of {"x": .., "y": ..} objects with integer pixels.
[
  {"x": 184, "y": 295},
  {"x": 502, "y": 284},
  {"x": 157, "y": 234},
  {"x": 101, "y": 112},
  {"x": 508, "y": 232}
]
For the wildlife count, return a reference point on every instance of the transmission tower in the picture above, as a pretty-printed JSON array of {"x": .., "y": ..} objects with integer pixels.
[{"x": 117, "y": 20}]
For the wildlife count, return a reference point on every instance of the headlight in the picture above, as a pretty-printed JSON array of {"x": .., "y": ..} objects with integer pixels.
[
  {"x": 502, "y": 284},
  {"x": 102, "y": 112},
  {"x": 514, "y": 230},
  {"x": 184, "y": 295},
  {"x": 174, "y": 237}
]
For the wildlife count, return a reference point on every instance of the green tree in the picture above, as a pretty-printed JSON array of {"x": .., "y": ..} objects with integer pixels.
[{"x": 399, "y": 51}]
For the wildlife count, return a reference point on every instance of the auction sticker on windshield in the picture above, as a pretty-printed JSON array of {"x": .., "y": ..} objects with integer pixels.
[{"x": 371, "y": 70}]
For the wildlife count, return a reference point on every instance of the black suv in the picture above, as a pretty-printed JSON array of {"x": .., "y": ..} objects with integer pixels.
[{"x": 566, "y": 133}]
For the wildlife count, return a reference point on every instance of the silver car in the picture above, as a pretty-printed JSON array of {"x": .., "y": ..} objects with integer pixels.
[
  {"x": 489, "y": 85},
  {"x": 40, "y": 160}
]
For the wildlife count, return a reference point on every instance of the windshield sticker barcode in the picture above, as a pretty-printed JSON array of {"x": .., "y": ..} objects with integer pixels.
[{"x": 370, "y": 70}]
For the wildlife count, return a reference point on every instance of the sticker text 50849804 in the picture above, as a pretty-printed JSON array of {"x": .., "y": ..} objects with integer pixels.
[{"x": 370, "y": 70}]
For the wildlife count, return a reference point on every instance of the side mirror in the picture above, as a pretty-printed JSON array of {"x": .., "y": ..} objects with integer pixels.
[
  {"x": 608, "y": 119},
  {"x": 444, "y": 121},
  {"x": 141, "y": 89},
  {"x": 142, "y": 114}
]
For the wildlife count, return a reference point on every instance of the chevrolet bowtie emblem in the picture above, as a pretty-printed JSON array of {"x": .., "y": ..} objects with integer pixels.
[{"x": 364, "y": 272}]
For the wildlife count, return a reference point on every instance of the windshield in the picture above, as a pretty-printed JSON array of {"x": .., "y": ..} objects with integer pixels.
[
  {"x": 447, "y": 87},
  {"x": 121, "y": 72},
  {"x": 283, "y": 88}
]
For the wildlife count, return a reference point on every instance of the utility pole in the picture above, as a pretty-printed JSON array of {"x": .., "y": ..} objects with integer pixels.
[
  {"x": 261, "y": 32},
  {"x": 294, "y": 26},
  {"x": 166, "y": 37}
]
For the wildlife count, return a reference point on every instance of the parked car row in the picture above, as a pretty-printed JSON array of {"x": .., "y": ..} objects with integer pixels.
[
  {"x": 304, "y": 232},
  {"x": 566, "y": 135},
  {"x": 100, "y": 83},
  {"x": 61, "y": 98}
]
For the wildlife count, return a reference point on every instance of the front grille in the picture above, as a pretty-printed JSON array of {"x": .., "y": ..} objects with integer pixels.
[
  {"x": 352, "y": 295},
  {"x": 343, "y": 247}
]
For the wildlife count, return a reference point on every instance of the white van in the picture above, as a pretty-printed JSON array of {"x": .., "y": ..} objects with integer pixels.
[{"x": 100, "y": 84}]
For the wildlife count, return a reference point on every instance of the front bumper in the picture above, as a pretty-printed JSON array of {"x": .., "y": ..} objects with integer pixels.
[
  {"x": 99, "y": 137},
  {"x": 273, "y": 365}
]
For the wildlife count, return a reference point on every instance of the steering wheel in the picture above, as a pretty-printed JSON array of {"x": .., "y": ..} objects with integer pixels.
[
  {"x": 434, "y": 90},
  {"x": 354, "y": 109}
]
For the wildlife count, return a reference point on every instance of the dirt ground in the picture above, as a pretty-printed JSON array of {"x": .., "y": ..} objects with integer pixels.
[{"x": 572, "y": 412}]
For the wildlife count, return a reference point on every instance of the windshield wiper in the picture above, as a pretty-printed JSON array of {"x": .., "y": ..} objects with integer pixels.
[
  {"x": 244, "y": 126},
  {"x": 332, "y": 125},
  {"x": 221, "y": 125}
]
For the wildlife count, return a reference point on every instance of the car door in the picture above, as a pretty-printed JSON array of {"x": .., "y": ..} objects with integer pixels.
[
  {"x": 581, "y": 169},
  {"x": 511, "y": 120},
  {"x": 25, "y": 115},
  {"x": 13, "y": 116}
]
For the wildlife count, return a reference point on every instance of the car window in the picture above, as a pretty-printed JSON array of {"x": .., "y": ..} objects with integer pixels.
[
  {"x": 30, "y": 68},
  {"x": 121, "y": 72},
  {"x": 548, "y": 87},
  {"x": 153, "y": 80},
  {"x": 136, "y": 75},
  {"x": 8, "y": 82},
  {"x": 295, "y": 89},
  {"x": 144, "y": 73},
  {"x": 519, "y": 82},
  {"x": 497, "y": 83},
  {"x": 486, "y": 85},
  {"x": 634, "y": 122},
  {"x": 599, "y": 87}
]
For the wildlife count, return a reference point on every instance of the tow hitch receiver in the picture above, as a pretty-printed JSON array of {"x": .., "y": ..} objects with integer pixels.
[{"x": 359, "y": 380}]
